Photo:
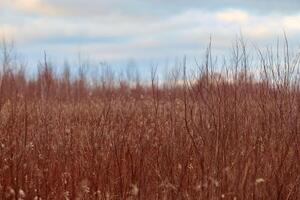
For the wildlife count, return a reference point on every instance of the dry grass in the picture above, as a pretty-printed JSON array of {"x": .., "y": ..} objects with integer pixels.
[{"x": 220, "y": 137}]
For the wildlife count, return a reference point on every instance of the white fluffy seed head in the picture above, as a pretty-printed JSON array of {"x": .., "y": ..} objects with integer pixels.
[
  {"x": 134, "y": 190},
  {"x": 21, "y": 194},
  {"x": 259, "y": 180},
  {"x": 10, "y": 193}
]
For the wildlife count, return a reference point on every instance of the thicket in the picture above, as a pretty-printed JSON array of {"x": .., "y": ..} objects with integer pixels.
[{"x": 229, "y": 130}]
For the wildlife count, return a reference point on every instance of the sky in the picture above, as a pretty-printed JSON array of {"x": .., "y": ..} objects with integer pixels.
[{"x": 116, "y": 31}]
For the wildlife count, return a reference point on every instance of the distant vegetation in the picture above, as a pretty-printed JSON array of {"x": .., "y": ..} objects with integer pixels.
[{"x": 234, "y": 134}]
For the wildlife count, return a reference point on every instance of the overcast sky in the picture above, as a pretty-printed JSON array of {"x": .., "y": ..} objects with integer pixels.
[{"x": 118, "y": 30}]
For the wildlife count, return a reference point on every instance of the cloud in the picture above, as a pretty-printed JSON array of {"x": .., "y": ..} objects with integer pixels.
[
  {"x": 233, "y": 16},
  {"x": 258, "y": 6},
  {"x": 169, "y": 7},
  {"x": 151, "y": 8},
  {"x": 292, "y": 22},
  {"x": 138, "y": 28},
  {"x": 122, "y": 36},
  {"x": 92, "y": 8},
  {"x": 31, "y": 7},
  {"x": 8, "y": 32}
]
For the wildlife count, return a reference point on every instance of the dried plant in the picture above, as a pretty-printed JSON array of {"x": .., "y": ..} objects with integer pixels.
[{"x": 213, "y": 134}]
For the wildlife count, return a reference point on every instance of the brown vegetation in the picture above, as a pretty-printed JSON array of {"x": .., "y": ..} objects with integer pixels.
[{"x": 228, "y": 136}]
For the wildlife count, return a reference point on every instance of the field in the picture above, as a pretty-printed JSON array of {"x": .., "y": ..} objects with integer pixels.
[{"x": 228, "y": 135}]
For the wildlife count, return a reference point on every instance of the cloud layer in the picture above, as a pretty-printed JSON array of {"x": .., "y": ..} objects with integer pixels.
[{"x": 118, "y": 29}]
